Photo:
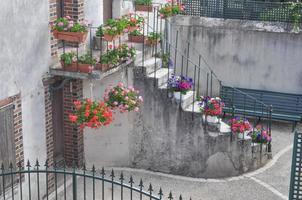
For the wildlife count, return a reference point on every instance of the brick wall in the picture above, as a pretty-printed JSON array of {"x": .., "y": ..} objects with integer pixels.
[
  {"x": 73, "y": 135},
  {"x": 52, "y": 18},
  {"x": 74, "y": 9},
  {"x": 18, "y": 131}
]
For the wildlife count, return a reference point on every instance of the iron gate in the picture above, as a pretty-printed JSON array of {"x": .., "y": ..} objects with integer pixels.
[{"x": 44, "y": 182}]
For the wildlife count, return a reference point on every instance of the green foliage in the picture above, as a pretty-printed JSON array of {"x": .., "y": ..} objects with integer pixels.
[
  {"x": 67, "y": 24},
  {"x": 115, "y": 27},
  {"x": 288, "y": 12},
  {"x": 68, "y": 58},
  {"x": 136, "y": 33},
  {"x": 99, "y": 32},
  {"x": 170, "y": 10},
  {"x": 154, "y": 36},
  {"x": 87, "y": 59},
  {"x": 126, "y": 52},
  {"x": 111, "y": 57},
  {"x": 143, "y": 2}
]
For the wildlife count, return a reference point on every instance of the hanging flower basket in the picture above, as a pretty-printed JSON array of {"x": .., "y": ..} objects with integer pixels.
[
  {"x": 179, "y": 85},
  {"x": 91, "y": 114},
  {"x": 260, "y": 135},
  {"x": 125, "y": 99},
  {"x": 152, "y": 42}
]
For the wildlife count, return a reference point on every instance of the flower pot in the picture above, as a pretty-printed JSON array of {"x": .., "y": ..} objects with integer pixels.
[
  {"x": 84, "y": 68},
  {"x": 110, "y": 38},
  {"x": 177, "y": 96},
  {"x": 103, "y": 67},
  {"x": 244, "y": 135},
  {"x": 70, "y": 36},
  {"x": 136, "y": 38},
  {"x": 144, "y": 8},
  {"x": 212, "y": 119},
  {"x": 152, "y": 42},
  {"x": 99, "y": 43},
  {"x": 70, "y": 68},
  {"x": 75, "y": 67},
  {"x": 132, "y": 28}
]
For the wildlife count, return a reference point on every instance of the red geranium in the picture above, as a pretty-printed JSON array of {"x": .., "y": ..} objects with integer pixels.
[
  {"x": 240, "y": 125},
  {"x": 91, "y": 114}
]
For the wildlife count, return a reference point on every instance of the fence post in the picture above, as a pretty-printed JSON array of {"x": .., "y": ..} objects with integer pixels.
[{"x": 74, "y": 184}]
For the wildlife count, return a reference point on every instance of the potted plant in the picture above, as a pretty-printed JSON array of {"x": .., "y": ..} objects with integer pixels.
[
  {"x": 260, "y": 135},
  {"x": 68, "y": 30},
  {"x": 91, "y": 114},
  {"x": 179, "y": 85},
  {"x": 143, "y": 5},
  {"x": 123, "y": 98},
  {"x": 108, "y": 60},
  {"x": 99, "y": 43},
  {"x": 114, "y": 28},
  {"x": 212, "y": 108},
  {"x": 134, "y": 22},
  {"x": 171, "y": 9},
  {"x": 241, "y": 127},
  {"x": 84, "y": 63},
  {"x": 126, "y": 53},
  {"x": 136, "y": 37},
  {"x": 153, "y": 38}
]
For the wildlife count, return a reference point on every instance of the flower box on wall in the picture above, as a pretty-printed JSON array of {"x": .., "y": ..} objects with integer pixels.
[
  {"x": 136, "y": 38},
  {"x": 110, "y": 38},
  {"x": 77, "y": 67},
  {"x": 70, "y": 36},
  {"x": 144, "y": 8},
  {"x": 152, "y": 42},
  {"x": 103, "y": 67}
]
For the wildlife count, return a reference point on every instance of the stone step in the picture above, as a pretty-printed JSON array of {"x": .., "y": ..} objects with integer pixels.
[
  {"x": 187, "y": 99},
  {"x": 161, "y": 75},
  {"x": 194, "y": 107},
  {"x": 150, "y": 65}
]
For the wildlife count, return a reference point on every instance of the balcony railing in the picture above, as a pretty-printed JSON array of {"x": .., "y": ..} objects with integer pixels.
[{"x": 245, "y": 9}]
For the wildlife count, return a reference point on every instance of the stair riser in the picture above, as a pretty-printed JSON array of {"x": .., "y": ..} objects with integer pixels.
[{"x": 186, "y": 102}]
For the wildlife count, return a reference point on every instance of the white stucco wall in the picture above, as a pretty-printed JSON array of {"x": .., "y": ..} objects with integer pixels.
[
  {"x": 94, "y": 12},
  {"x": 24, "y": 58}
]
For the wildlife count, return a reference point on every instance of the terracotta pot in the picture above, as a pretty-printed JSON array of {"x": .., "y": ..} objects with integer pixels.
[
  {"x": 132, "y": 28},
  {"x": 110, "y": 38},
  {"x": 70, "y": 36},
  {"x": 74, "y": 67},
  {"x": 136, "y": 38},
  {"x": 144, "y": 8},
  {"x": 152, "y": 42},
  {"x": 103, "y": 67}
]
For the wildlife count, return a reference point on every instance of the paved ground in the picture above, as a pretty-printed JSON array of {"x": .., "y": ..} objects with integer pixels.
[{"x": 268, "y": 183}]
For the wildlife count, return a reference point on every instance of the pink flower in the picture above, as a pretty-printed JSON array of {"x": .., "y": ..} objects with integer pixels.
[
  {"x": 60, "y": 24},
  {"x": 68, "y": 17},
  {"x": 140, "y": 98},
  {"x": 115, "y": 103},
  {"x": 136, "y": 109},
  {"x": 120, "y": 84},
  {"x": 126, "y": 98}
]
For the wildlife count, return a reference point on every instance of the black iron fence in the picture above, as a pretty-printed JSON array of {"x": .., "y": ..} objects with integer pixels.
[
  {"x": 245, "y": 10},
  {"x": 45, "y": 182}
]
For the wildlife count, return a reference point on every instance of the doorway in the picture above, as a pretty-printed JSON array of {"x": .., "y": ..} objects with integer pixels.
[
  {"x": 107, "y": 9},
  {"x": 57, "y": 118}
]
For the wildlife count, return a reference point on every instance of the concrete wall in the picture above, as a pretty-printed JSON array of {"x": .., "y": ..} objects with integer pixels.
[
  {"x": 161, "y": 137},
  {"x": 244, "y": 54},
  {"x": 94, "y": 12},
  {"x": 24, "y": 59}
]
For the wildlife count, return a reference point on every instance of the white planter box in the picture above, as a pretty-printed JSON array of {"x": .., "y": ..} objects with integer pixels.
[
  {"x": 244, "y": 135},
  {"x": 212, "y": 119},
  {"x": 177, "y": 95}
]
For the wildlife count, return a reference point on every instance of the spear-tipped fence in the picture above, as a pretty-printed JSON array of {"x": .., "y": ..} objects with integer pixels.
[{"x": 49, "y": 182}]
